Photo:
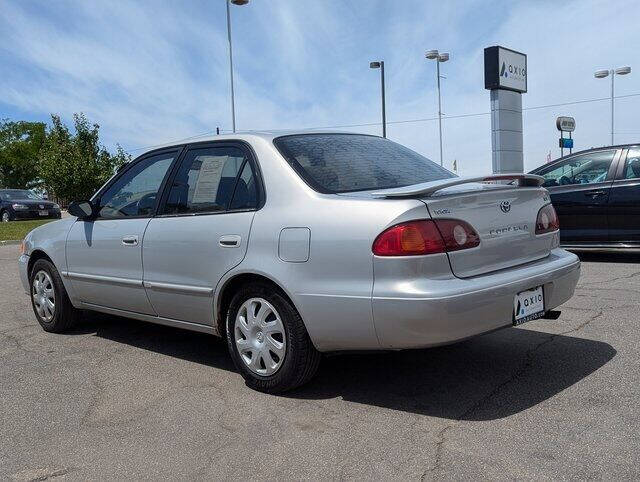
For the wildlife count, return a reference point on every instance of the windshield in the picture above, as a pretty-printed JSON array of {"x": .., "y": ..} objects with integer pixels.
[
  {"x": 335, "y": 163},
  {"x": 17, "y": 195}
]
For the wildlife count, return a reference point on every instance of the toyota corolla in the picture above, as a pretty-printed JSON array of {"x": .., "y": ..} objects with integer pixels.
[{"x": 290, "y": 246}]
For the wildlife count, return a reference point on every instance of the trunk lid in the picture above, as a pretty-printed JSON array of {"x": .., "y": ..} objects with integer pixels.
[
  {"x": 504, "y": 216},
  {"x": 506, "y": 223}
]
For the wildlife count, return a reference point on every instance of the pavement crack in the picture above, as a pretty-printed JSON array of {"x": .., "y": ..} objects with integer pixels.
[{"x": 41, "y": 474}]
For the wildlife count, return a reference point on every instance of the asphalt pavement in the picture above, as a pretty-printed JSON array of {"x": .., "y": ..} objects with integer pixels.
[{"x": 122, "y": 399}]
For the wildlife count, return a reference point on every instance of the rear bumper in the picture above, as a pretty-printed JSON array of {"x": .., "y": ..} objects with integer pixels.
[{"x": 435, "y": 312}]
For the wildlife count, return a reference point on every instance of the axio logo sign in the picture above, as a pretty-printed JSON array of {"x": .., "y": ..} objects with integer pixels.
[{"x": 513, "y": 70}]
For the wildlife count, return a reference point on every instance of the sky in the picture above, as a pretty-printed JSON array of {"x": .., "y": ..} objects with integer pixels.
[{"x": 150, "y": 72}]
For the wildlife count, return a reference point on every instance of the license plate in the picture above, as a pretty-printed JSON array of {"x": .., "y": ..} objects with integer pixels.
[
  {"x": 43, "y": 213},
  {"x": 528, "y": 305}
]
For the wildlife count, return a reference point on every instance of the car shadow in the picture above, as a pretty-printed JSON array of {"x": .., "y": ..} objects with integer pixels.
[
  {"x": 484, "y": 378},
  {"x": 174, "y": 342}
]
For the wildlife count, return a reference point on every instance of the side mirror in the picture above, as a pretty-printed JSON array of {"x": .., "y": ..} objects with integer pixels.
[{"x": 81, "y": 209}]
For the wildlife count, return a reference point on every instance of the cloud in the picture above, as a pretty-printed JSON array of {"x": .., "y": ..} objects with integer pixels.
[{"x": 150, "y": 71}]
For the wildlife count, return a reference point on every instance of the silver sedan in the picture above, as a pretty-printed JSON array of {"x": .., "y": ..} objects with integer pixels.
[{"x": 294, "y": 245}]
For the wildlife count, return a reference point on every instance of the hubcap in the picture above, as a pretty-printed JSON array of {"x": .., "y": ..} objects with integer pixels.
[
  {"x": 5, "y": 217},
  {"x": 44, "y": 296},
  {"x": 259, "y": 336}
]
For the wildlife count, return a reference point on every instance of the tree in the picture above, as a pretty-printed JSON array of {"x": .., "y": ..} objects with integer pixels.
[
  {"x": 20, "y": 143},
  {"x": 74, "y": 166}
]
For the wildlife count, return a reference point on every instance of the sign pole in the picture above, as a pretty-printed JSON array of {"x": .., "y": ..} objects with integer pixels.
[{"x": 571, "y": 148}]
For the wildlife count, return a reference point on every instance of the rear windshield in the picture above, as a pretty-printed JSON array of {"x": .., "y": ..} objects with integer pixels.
[{"x": 334, "y": 163}]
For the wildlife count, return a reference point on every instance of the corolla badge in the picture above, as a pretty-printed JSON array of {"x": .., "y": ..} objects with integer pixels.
[{"x": 505, "y": 206}]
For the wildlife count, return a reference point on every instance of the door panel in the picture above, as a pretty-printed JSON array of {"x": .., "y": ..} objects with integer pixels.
[
  {"x": 582, "y": 210},
  {"x": 104, "y": 256},
  {"x": 105, "y": 271},
  {"x": 184, "y": 259},
  {"x": 202, "y": 231},
  {"x": 624, "y": 201}
]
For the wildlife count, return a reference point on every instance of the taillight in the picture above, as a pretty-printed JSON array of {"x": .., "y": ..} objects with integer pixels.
[
  {"x": 457, "y": 234},
  {"x": 426, "y": 236},
  {"x": 547, "y": 220}
]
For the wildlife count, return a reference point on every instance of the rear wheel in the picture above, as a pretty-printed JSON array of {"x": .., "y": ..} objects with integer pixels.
[
  {"x": 5, "y": 216},
  {"x": 49, "y": 299},
  {"x": 268, "y": 341}
]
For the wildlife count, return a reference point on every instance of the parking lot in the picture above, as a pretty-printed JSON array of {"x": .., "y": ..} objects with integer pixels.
[{"x": 124, "y": 399}]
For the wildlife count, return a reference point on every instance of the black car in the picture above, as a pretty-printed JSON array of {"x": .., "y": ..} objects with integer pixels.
[
  {"x": 597, "y": 196},
  {"x": 23, "y": 204}
]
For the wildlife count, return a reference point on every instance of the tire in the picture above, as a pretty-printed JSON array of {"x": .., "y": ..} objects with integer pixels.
[
  {"x": 5, "y": 216},
  {"x": 295, "y": 363},
  {"x": 63, "y": 315}
]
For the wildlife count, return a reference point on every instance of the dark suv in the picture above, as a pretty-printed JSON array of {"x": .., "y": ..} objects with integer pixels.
[
  {"x": 596, "y": 194},
  {"x": 23, "y": 204}
]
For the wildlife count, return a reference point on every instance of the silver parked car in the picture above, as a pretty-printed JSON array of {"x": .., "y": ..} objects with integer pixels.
[{"x": 294, "y": 245}]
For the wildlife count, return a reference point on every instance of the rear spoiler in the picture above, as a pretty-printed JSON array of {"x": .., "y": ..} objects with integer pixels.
[{"x": 426, "y": 189}]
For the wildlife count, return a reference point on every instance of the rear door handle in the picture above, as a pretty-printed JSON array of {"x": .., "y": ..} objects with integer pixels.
[
  {"x": 230, "y": 241},
  {"x": 130, "y": 241}
]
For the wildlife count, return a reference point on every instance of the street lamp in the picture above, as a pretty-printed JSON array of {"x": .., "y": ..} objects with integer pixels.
[
  {"x": 380, "y": 65},
  {"x": 233, "y": 107},
  {"x": 438, "y": 57},
  {"x": 601, "y": 74}
]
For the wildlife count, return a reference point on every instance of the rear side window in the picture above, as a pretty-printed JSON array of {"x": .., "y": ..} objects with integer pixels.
[
  {"x": 334, "y": 163},
  {"x": 632, "y": 165},
  {"x": 245, "y": 195},
  {"x": 207, "y": 180}
]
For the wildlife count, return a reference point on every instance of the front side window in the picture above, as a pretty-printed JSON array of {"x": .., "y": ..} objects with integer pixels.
[
  {"x": 584, "y": 169},
  {"x": 334, "y": 163},
  {"x": 207, "y": 180},
  {"x": 632, "y": 165},
  {"x": 135, "y": 192}
]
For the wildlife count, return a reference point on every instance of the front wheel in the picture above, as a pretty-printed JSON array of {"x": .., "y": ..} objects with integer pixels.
[
  {"x": 268, "y": 341},
  {"x": 5, "y": 217},
  {"x": 49, "y": 299}
]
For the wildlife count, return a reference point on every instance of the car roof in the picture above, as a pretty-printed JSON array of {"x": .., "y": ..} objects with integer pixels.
[{"x": 249, "y": 136}]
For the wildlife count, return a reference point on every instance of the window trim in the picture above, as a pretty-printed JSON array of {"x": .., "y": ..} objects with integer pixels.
[
  {"x": 97, "y": 197},
  {"x": 251, "y": 158}
]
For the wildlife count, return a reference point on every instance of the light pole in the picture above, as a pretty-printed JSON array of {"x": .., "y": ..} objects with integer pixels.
[
  {"x": 233, "y": 106},
  {"x": 380, "y": 65},
  {"x": 601, "y": 74},
  {"x": 438, "y": 57}
]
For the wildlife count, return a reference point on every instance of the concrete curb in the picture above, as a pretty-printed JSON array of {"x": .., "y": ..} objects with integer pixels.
[{"x": 9, "y": 243}]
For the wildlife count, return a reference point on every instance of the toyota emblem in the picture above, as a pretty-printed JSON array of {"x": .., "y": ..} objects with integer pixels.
[{"x": 505, "y": 206}]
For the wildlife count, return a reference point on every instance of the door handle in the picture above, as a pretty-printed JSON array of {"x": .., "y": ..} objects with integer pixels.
[
  {"x": 230, "y": 241},
  {"x": 130, "y": 241},
  {"x": 595, "y": 193}
]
